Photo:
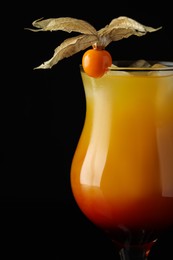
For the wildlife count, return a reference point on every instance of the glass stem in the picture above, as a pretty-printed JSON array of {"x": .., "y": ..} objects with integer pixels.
[
  {"x": 134, "y": 244},
  {"x": 133, "y": 253}
]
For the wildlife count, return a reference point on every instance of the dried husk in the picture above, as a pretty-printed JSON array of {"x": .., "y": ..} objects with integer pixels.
[
  {"x": 123, "y": 27},
  {"x": 68, "y": 48},
  {"x": 119, "y": 28},
  {"x": 66, "y": 24}
]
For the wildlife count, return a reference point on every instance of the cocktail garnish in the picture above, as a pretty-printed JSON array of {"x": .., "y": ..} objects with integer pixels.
[{"x": 117, "y": 29}]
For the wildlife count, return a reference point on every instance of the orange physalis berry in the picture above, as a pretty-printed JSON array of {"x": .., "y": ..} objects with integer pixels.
[{"x": 95, "y": 62}]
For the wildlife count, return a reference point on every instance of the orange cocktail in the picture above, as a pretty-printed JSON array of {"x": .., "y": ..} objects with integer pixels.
[{"x": 122, "y": 170}]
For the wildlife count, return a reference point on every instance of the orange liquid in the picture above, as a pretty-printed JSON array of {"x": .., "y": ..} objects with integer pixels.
[{"x": 122, "y": 170}]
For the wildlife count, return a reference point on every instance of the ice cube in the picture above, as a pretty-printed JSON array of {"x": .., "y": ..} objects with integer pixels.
[
  {"x": 140, "y": 64},
  {"x": 160, "y": 69},
  {"x": 115, "y": 70},
  {"x": 158, "y": 65}
]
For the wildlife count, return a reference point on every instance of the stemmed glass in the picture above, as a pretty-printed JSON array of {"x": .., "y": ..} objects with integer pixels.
[{"x": 122, "y": 169}]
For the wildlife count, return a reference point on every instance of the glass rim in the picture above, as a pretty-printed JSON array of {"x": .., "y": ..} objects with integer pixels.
[{"x": 125, "y": 65}]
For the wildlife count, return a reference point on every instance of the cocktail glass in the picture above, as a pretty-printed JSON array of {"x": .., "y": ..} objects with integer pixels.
[{"x": 122, "y": 169}]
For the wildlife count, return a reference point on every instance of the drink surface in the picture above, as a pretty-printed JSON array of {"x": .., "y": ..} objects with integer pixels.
[{"x": 122, "y": 170}]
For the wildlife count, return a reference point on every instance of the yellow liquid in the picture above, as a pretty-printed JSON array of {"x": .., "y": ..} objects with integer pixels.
[{"x": 122, "y": 170}]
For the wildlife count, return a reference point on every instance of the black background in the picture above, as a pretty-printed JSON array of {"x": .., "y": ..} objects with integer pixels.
[{"x": 41, "y": 120}]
